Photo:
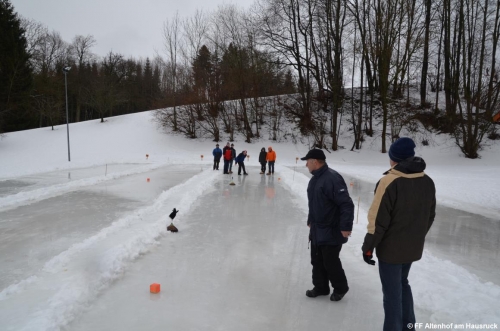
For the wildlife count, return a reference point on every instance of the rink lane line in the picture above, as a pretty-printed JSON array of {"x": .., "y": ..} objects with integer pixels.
[
  {"x": 448, "y": 291},
  {"x": 70, "y": 281},
  {"x": 28, "y": 197}
]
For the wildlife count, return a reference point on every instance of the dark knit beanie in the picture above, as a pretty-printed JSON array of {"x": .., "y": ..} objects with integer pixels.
[{"x": 402, "y": 149}]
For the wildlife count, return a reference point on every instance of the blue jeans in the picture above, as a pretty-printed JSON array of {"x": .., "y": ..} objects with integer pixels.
[
  {"x": 226, "y": 166},
  {"x": 271, "y": 167},
  {"x": 398, "y": 300}
]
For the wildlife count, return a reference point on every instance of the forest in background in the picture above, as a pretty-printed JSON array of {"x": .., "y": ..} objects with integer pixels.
[
  {"x": 308, "y": 50},
  {"x": 114, "y": 84}
]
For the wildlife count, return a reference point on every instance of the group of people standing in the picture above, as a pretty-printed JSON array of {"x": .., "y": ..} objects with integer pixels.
[
  {"x": 228, "y": 153},
  {"x": 269, "y": 158}
]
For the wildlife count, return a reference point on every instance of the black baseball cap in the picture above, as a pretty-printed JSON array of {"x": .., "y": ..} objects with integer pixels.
[{"x": 316, "y": 154}]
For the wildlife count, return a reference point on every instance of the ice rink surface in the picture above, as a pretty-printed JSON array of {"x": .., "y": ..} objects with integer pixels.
[
  {"x": 84, "y": 260},
  {"x": 241, "y": 264}
]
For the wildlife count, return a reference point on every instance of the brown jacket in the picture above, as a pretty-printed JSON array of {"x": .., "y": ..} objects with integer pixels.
[{"x": 401, "y": 213}]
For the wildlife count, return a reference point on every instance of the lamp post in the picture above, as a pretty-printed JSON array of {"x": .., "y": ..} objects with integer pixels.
[{"x": 66, "y": 70}]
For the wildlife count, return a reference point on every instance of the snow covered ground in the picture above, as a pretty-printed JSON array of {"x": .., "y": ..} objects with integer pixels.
[{"x": 81, "y": 241}]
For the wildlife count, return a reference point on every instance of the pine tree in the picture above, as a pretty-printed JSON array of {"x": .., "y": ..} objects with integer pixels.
[
  {"x": 15, "y": 70},
  {"x": 148, "y": 84},
  {"x": 202, "y": 69}
]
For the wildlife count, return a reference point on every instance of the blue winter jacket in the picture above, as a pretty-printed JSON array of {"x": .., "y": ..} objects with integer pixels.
[
  {"x": 240, "y": 158},
  {"x": 330, "y": 207},
  {"x": 217, "y": 153}
]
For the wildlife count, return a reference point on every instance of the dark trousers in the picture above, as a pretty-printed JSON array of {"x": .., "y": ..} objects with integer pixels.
[
  {"x": 240, "y": 166},
  {"x": 398, "y": 300},
  {"x": 226, "y": 166},
  {"x": 263, "y": 166},
  {"x": 231, "y": 165},
  {"x": 326, "y": 265},
  {"x": 271, "y": 167},
  {"x": 216, "y": 164}
]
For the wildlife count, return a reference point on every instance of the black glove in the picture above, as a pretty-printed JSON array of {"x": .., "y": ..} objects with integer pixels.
[
  {"x": 367, "y": 249},
  {"x": 368, "y": 258},
  {"x": 173, "y": 213}
]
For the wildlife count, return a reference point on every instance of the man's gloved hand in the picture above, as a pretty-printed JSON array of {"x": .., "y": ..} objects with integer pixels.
[
  {"x": 368, "y": 258},
  {"x": 367, "y": 249}
]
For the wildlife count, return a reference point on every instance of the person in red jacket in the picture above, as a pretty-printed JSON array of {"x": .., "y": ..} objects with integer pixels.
[
  {"x": 227, "y": 155},
  {"x": 270, "y": 158}
]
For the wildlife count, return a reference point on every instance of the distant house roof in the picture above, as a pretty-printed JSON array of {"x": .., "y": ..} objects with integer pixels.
[{"x": 496, "y": 118}]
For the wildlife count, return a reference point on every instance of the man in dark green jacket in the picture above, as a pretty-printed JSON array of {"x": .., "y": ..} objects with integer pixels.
[
  {"x": 399, "y": 218},
  {"x": 331, "y": 213}
]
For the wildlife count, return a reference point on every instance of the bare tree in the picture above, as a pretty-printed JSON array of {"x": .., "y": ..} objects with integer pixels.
[
  {"x": 287, "y": 36},
  {"x": 35, "y": 34},
  {"x": 477, "y": 27},
  {"x": 172, "y": 45},
  {"x": 235, "y": 60},
  {"x": 387, "y": 25},
  {"x": 425, "y": 60},
  {"x": 49, "y": 53},
  {"x": 81, "y": 50},
  {"x": 195, "y": 30}
]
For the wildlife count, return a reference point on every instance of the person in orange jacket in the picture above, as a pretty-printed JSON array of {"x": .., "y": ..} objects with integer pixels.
[{"x": 270, "y": 158}]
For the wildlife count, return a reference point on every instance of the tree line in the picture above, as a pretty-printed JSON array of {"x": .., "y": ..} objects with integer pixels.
[
  {"x": 391, "y": 48},
  {"x": 234, "y": 70},
  {"x": 33, "y": 83},
  {"x": 416, "y": 61}
]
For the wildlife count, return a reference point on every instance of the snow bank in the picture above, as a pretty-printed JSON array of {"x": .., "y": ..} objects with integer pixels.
[{"x": 71, "y": 280}]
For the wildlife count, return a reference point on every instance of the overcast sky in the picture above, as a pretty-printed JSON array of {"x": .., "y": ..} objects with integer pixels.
[{"x": 130, "y": 27}]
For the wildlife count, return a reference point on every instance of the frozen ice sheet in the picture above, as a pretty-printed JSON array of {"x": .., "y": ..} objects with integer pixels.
[
  {"x": 240, "y": 263},
  {"x": 24, "y": 183},
  {"x": 31, "y": 235}
]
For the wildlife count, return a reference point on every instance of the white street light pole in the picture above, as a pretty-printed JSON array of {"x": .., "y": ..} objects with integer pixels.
[{"x": 66, "y": 70}]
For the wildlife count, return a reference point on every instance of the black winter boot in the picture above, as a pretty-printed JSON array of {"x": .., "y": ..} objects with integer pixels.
[
  {"x": 315, "y": 292},
  {"x": 337, "y": 296}
]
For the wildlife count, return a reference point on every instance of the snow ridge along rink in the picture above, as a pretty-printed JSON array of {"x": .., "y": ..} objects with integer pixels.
[
  {"x": 31, "y": 196},
  {"x": 70, "y": 281}
]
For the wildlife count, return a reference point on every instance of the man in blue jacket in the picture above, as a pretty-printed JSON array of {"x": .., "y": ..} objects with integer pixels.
[
  {"x": 331, "y": 213},
  {"x": 240, "y": 161},
  {"x": 217, "y": 153}
]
